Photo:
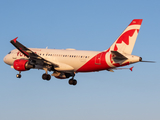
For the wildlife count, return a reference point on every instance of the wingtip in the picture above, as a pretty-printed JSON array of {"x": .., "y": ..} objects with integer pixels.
[
  {"x": 131, "y": 68},
  {"x": 14, "y": 40}
]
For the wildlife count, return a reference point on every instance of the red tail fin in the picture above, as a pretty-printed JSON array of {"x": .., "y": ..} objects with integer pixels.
[{"x": 125, "y": 42}]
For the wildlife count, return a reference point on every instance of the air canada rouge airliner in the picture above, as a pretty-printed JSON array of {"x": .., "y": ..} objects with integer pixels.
[{"x": 66, "y": 63}]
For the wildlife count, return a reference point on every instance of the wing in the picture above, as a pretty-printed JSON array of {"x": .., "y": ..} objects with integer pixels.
[{"x": 33, "y": 57}]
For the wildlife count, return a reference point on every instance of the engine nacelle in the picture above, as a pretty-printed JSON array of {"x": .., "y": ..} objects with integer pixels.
[{"x": 22, "y": 65}]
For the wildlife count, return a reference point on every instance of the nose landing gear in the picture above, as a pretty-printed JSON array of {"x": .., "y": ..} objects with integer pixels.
[{"x": 19, "y": 75}]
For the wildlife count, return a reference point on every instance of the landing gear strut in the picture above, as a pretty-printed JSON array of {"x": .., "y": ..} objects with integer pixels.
[{"x": 19, "y": 75}]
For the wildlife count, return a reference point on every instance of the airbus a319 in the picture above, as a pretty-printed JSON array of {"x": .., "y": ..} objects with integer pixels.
[{"x": 66, "y": 63}]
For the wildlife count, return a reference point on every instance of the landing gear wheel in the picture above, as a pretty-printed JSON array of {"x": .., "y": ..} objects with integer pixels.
[
  {"x": 46, "y": 77},
  {"x": 18, "y": 75},
  {"x": 72, "y": 82}
]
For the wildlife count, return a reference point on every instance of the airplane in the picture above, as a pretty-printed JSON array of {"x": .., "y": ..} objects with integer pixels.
[{"x": 65, "y": 63}]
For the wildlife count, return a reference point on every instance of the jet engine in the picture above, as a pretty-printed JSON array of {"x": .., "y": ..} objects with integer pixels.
[{"x": 22, "y": 65}]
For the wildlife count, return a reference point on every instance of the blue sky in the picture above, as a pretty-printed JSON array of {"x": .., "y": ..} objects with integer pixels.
[{"x": 83, "y": 25}]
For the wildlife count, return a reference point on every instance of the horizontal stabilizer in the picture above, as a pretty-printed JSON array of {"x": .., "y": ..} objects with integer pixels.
[
  {"x": 111, "y": 70},
  {"x": 131, "y": 69}
]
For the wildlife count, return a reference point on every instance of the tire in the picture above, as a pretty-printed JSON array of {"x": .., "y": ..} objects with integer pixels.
[
  {"x": 70, "y": 81},
  {"x": 74, "y": 82},
  {"x": 44, "y": 76},
  {"x": 18, "y": 75},
  {"x": 48, "y": 77}
]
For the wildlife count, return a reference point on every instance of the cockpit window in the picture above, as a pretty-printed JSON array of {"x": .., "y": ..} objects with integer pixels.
[{"x": 9, "y": 52}]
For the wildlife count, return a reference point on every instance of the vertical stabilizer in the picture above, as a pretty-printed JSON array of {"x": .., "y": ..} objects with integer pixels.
[{"x": 127, "y": 39}]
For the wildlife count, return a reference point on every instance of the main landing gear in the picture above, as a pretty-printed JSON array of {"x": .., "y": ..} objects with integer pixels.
[
  {"x": 72, "y": 81},
  {"x": 46, "y": 77}
]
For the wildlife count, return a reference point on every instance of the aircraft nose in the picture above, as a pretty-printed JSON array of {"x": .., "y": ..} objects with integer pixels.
[{"x": 5, "y": 60}]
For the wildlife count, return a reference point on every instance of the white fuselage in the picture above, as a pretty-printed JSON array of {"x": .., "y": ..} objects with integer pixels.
[
  {"x": 73, "y": 60},
  {"x": 71, "y": 57}
]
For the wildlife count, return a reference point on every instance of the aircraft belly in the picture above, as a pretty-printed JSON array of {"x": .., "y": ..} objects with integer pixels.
[{"x": 74, "y": 63}]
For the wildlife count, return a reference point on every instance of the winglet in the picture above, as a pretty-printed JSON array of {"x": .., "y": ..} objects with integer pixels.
[
  {"x": 15, "y": 39},
  {"x": 131, "y": 68}
]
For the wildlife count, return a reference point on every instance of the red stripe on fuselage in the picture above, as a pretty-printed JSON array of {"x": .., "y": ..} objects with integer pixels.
[{"x": 92, "y": 64}]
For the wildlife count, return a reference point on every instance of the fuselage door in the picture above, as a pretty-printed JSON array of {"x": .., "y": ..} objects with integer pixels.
[{"x": 98, "y": 59}]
